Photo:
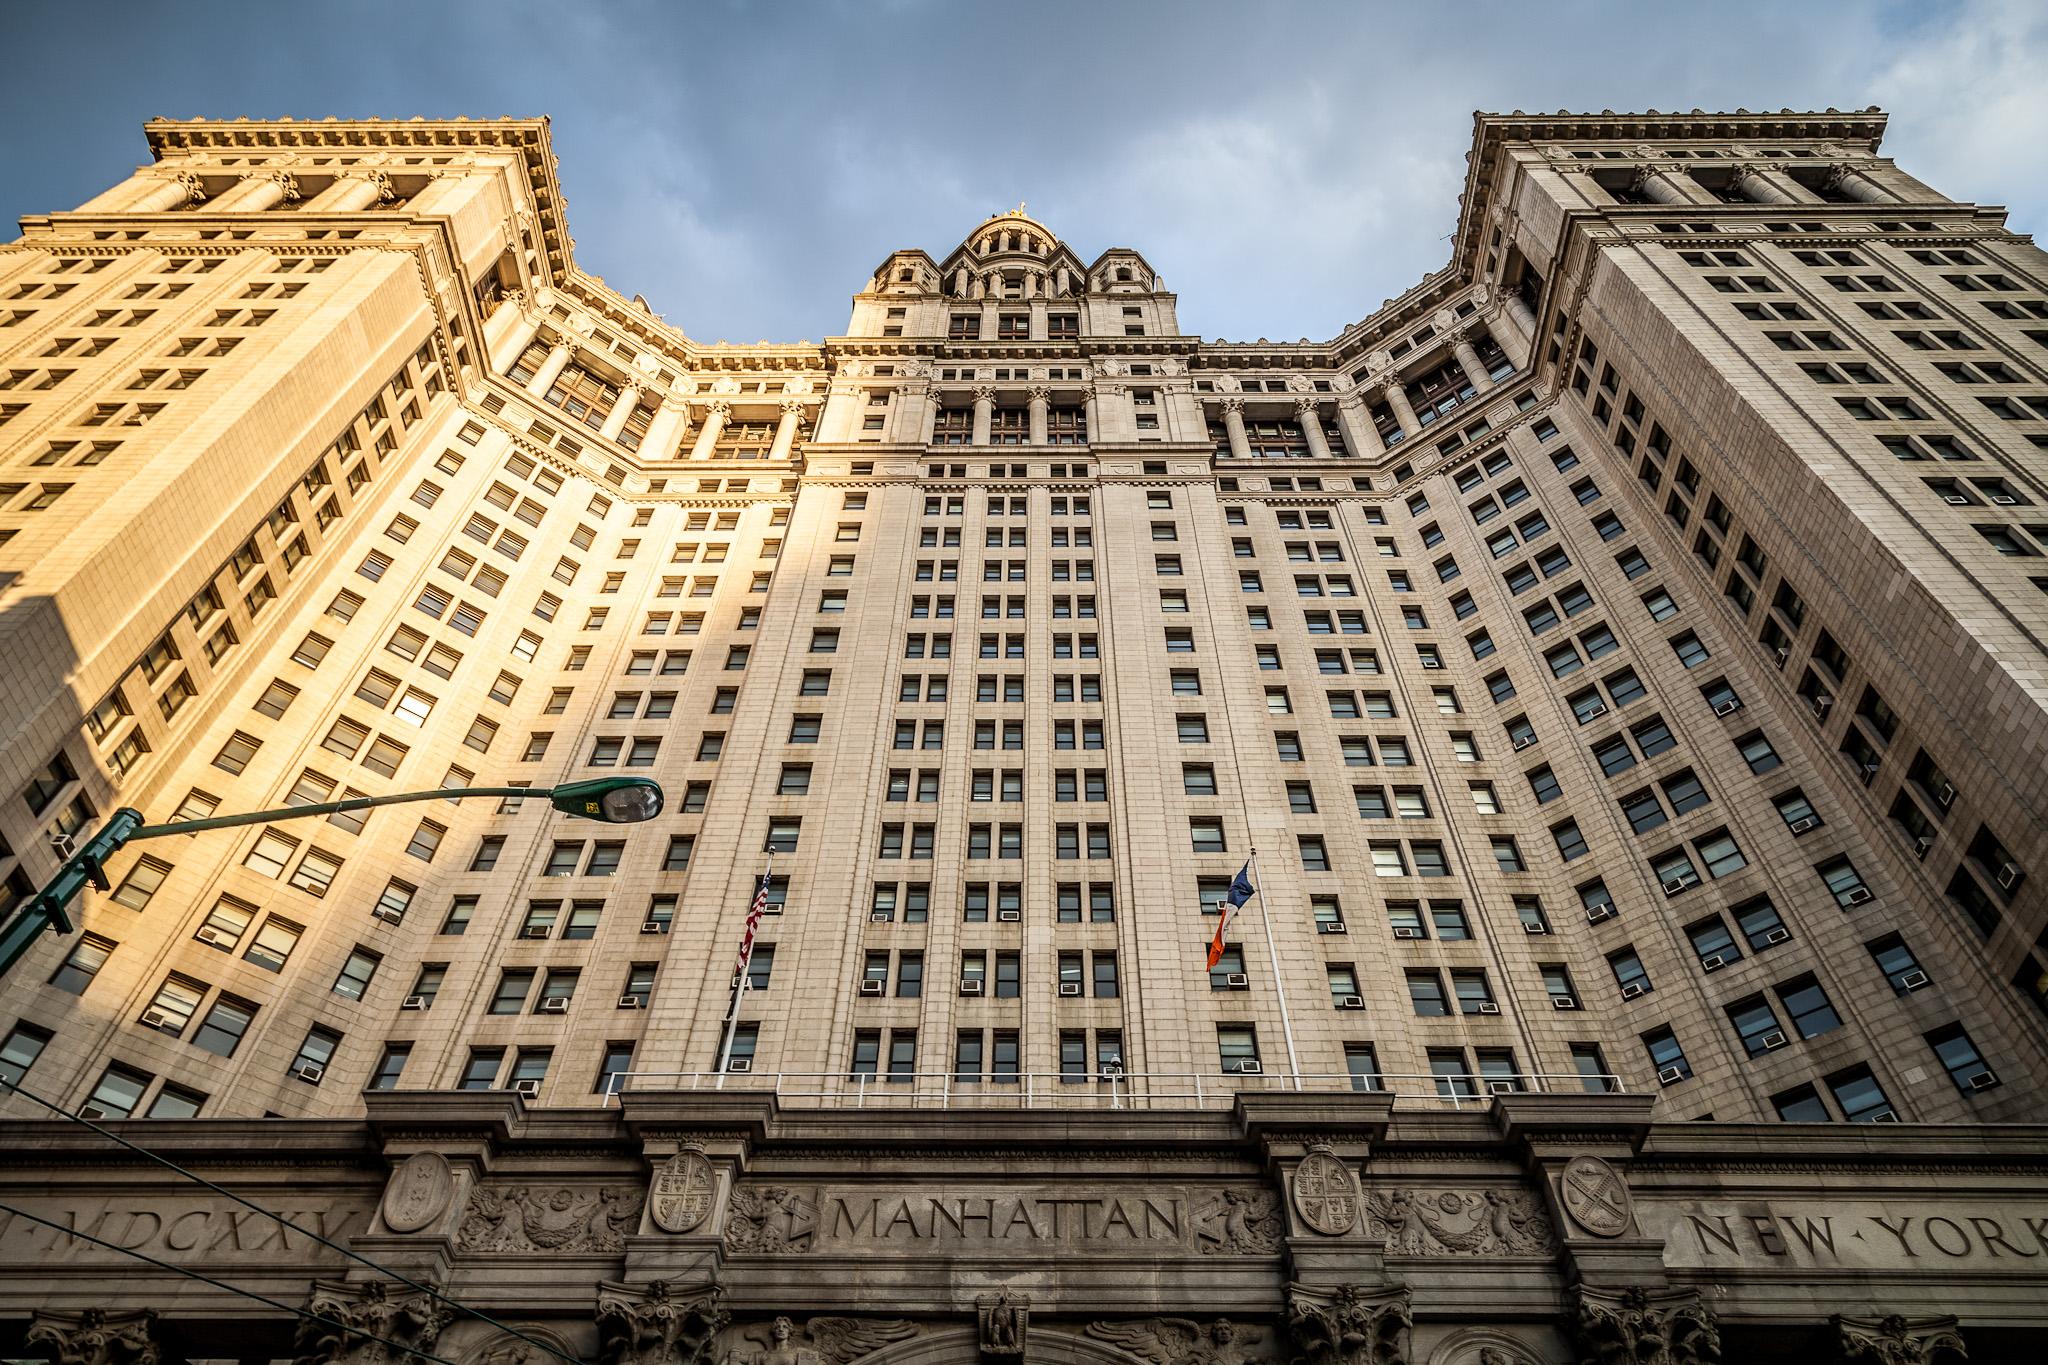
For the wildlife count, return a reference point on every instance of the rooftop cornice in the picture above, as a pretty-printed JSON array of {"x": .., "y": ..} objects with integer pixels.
[{"x": 529, "y": 138}]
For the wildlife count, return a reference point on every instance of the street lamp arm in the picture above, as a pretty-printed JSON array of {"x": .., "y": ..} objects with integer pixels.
[{"x": 324, "y": 808}]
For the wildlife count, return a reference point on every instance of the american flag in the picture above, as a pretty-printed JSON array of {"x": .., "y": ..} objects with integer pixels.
[{"x": 754, "y": 913}]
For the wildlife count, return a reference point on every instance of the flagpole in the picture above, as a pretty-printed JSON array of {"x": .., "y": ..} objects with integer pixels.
[
  {"x": 1279, "y": 982},
  {"x": 739, "y": 987}
]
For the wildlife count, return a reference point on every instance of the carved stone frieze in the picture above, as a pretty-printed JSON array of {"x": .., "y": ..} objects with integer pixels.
[
  {"x": 771, "y": 1219},
  {"x": 560, "y": 1220},
  {"x": 1349, "y": 1325},
  {"x": 820, "y": 1341},
  {"x": 1459, "y": 1223},
  {"x": 96, "y": 1337},
  {"x": 1182, "y": 1341},
  {"x": 1003, "y": 1319},
  {"x": 659, "y": 1323},
  {"x": 1896, "y": 1340},
  {"x": 368, "y": 1325},
  {"x": 1634, "y": 1326},
  {"x": 1239, "y": 1223}
]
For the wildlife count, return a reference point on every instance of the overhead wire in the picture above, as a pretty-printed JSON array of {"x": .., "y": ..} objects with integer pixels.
[{"x": 168, "y": 1164}]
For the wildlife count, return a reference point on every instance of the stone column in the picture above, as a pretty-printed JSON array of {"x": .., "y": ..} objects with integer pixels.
[
  {"x": 1519, "y": 314},
  {"x": 258, "y": 192},
  {"x": 1361, "y": 437},
  {"x": 1857, "y": 186},
  {"x": 1091, "y": 414},
  {"x": 615, "y": 420},
  {"x": 929, "y": 425},
  {"x": 1233, "y": 424},
  {"x": 508, "y": 332},
  {"x": 1752, "y": 184},
  {"x": 1062, "y": 282},
  {"x": 1397, "y": 399},
  {"x": 960, "y": 282},
  {"x": 1041, "y": 411},
  {"x": 1310, "y": 414},
  {"x": 551, "y": 369},
  {"x": 665, "y": 432},
  {"x": 716, "y": 415},
  {"x": 785, "y": 428},
  {"x": 984, "y": 414},
  {"x": 1468, "y": 358},
  {"x": 1658, "y": 187},
  {"x": 167, "y": 193},
  {"x": 350, "y": 193}
]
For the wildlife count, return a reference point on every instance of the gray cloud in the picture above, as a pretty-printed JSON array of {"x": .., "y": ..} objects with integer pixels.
[{"x": 1285, "y": 166}]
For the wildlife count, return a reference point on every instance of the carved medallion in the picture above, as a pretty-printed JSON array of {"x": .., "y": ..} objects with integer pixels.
[
  {"x": 1594, "y": 1196},
  {"x": 1326, "y": 1192},
  {"x": 683, "y": 1190},
  {"x": 419, "y": 1192}
]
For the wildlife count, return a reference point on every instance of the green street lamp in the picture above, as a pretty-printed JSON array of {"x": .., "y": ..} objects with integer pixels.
[{"x": 612, "y": 800}]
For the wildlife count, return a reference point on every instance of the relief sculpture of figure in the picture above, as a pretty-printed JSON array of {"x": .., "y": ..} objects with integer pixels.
[
  {"x": 1180, "y": 1341},
  {"x": 1239, "y": 1222},
  {"x": 821, "y": 1341}
]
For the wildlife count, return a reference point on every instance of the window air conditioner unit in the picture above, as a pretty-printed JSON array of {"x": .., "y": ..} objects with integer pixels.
[
  {"x": 1913, "y": 980},
  {"x": 2009, "y": 876},
  {"x": 1821, "y": 702},
  {"x": 1857, "y": 895},
  {"x": 530, "y": 1089},
  {"x": 1009, "y": 916},
  {"x": 881, "y": 916},
  {"x": 1983, "y": 1080},
  {"x": 310, "y": 1072},
  {"x": 1955, "y": 499},
  {"x": 2004, "y": 500},
  {"x": 389, "y": 916},
  {"x": 735, "y": 1064},
  {"x": 1332, "y": 926},
  {"x": 1806, "y": 823},
  {"x": 1946, "y": 796},
  {"x": 1351, "y": 1002},
  {"x": 555, "y": 1004},
  {"x": 1773, "y": 1040},
  {"x": 1238, "y": 981},
  {"x": 1678, "y": 884},
  {"x": 1886, "y": 1117},
  {"x": 1563, "y": 1002},
  {"x": 1503, "y": 1087},
  {"x": 1524, "y": 742},
  {"x": 155, "y": 1018},
  {"x": 1530, "y": 927},
  {"x": 1250, "y": 1067},
  {"x": 1728, "y": 707},
  {"x": 629, "y": 1002},
  {"x": 872, "y": 987},
  {"x": 208, "y": 934},
  {"x": 1777, "y": 936},
  {"x": 1921, "y": 845},
  {"x": 92, "y": 1111},
  {"x": 1407, "y": 931},
  {"x": 1632, "y": 990},
  {"x": 414, "y": 1002},
  {"x": 1869, "y": 771},
  {"x": 970, "y": 986},
  {"x": 654, "y": 926},
  {"x": 1713, "y": 962},
  {"x": 1781, "y": 653},
  {"x": 1670, "y": 1075},
  {"x": 1070, "y": 988},
  {"x": 1488, "y": 1007},
  {"x": 534, "y": 931},
  {"x": 1600, "y": 912}
]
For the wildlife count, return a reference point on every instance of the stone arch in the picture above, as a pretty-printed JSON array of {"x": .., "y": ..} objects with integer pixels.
[
  {"x": 961, "y": 1346},
  {"x": 470, "y": 1342},
  {"x": 1470, "y": 1345}
]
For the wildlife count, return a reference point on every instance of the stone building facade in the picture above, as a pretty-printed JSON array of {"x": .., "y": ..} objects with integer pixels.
[{"x": 1619, "y": 660}]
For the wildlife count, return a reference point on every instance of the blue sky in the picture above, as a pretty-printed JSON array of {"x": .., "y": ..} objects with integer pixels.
[{"x": 1284, "y": 166}]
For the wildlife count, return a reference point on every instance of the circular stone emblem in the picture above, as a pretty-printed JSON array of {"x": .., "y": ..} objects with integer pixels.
[
  {"x": 683, "y": 1187},
  {"x": 1594, "y": 1196},
  {"x": 1326, "y": 1193},
  {"x": 420, "y": 1191}
]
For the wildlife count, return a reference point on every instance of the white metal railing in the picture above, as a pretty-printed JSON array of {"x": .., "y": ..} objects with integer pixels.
[{"x": 1099, "y": 1089}]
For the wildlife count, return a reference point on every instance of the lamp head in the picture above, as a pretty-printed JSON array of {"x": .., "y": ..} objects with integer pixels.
[{"x": 612, "y": 800}]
